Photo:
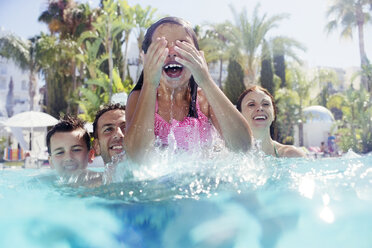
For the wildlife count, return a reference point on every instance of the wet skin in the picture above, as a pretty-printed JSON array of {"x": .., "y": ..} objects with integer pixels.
[
  {"x": 69, "y": 152},
  {"x": 110, "y": 132}
]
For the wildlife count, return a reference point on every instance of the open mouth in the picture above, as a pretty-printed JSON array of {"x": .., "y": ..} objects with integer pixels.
[
  {"x": 260, "y": 118},
  {"x": 116, "y": 148},
  {"x": 70, "y": 167},
  {"x": 173, "y": 69}
]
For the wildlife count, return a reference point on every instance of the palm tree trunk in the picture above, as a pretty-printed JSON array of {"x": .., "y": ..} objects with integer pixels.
[
  {"x": 125, "y": 57},
  {"x": 32, "y": 89},
  {"x": 363, "y": 56},
  {"x": 73, "y": 73},
  {"x": 220, "y": 78},
  {"x": 301, "y": 126},
  {"x": 110, "y": 62}
]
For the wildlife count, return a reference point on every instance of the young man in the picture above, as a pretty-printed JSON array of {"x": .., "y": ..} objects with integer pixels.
[
  {"x": 70, "y": 152},
  {"x": 109, "y": 131}
]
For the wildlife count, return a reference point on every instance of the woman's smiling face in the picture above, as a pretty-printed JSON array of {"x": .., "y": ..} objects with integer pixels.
[
  {"x": 174, "y": 74},
  {"x": 258, "y": 109}
]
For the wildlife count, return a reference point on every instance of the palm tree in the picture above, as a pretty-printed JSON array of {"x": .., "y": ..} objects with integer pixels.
[
  {"x": 67, "y": 18},
  {"x": 218, "y": 44},
  {"x": 302, "y": 86},
  {"x": 106, "y": 28},
  {"x": 291, "y": 101},
  {"x": 127, "y": 15},
  {"x": 252, "y": 33},
  {"x": 350, "y": 14},
  {"x": 144, "y": 18},
  {"x": 324, "y": 78},
  {"x": 283, "y": 47},
  {"x": 55, "y": 60},
  {"x": 25, "y": 55}
]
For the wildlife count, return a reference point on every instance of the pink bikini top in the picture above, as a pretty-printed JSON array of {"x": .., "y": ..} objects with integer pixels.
[{"x": 187, "y": 134}]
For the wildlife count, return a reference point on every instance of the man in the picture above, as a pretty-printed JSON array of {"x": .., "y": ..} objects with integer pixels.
[
  {"x": 70, "y": 152},
  {"x": 331, "y": 144},
  {"x": 109, "y": 131}
]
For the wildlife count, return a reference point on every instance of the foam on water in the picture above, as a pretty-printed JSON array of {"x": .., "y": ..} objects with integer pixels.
[{"x": 212, "y": 199}]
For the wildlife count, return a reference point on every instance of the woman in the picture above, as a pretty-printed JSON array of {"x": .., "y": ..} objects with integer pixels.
[
  {"x": 167, "y": 100},
  {"x": 258, "y": 107}
]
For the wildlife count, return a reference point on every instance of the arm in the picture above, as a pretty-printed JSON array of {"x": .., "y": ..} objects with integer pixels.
[
  {"x": 139, "y": 134},
  {"x": 290, "y": 152},
  {"x": 232, "y": 125}
]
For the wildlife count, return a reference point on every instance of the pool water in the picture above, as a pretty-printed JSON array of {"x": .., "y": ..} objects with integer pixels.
[{"x": 225, "y": 200}]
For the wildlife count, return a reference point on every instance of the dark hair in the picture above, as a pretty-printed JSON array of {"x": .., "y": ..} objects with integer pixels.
[
  {"x": 104, "y": 109},
  {"x": 255, "y": 88},
  {"x": 147, "y": 42},
  {"x": 68, "y": 124}
]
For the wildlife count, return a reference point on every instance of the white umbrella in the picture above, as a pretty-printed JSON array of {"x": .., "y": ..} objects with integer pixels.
[{"x": 31, "y": 119}]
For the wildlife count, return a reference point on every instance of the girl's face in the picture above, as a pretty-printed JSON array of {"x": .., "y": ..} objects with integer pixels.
[
  {"x": 258, "y": 110},
  {"x": 174, "y": 74}
]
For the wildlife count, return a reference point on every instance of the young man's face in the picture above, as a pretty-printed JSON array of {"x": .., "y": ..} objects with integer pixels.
[
  {"x": 110, "y": 133},
  {"x": 69, "y": 152}
]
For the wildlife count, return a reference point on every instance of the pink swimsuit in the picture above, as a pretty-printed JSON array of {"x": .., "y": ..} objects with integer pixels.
[{"x": 188, "y": 133}]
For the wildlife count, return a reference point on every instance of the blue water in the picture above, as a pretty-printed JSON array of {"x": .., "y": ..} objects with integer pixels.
[{"x": 219, "y": 201}]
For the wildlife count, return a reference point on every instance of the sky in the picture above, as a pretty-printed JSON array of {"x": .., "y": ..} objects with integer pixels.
[{"x": 305, "y": 23}]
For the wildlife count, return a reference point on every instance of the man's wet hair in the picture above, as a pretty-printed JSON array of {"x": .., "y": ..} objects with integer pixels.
[
  {"x": 68, "y": 124},
  {"x": 104, "y": 109}
]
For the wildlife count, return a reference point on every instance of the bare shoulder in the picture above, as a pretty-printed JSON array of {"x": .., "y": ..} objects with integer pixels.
[{"x": 289, "y": 151}]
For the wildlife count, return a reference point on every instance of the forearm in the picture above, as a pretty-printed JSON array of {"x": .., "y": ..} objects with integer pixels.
[
  {"x": 233, "y": 126},
  {"x": 139, "y": 137}
]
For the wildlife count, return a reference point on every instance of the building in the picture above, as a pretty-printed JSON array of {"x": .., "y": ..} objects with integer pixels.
[
  {"x": 9, "y": 71},
  {"x": 20, "y": 100}
]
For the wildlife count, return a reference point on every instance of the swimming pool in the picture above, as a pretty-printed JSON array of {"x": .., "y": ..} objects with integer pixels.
[{"x": 226, "y": 201}]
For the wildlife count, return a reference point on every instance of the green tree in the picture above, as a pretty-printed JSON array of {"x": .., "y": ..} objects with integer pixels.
[
  {"x": 67, "y": 20},
  {"x": 325, "y": 78},
  {"x": 234, "y": 85},
  {"x": 106, "y": 27},
  {"x": 334, "y": 104},
  {"x": 218, "y": 45},
  {"x": 26, "y": 55},
  {"x": 267, "y": 76},
  {"x": 251, "y": 35},
  {"x": 283, "y": 47},
  {"x": 356, "y": 124},
  {"x": 127, "y": 16},
  {"x": 350, "y": 14},
  {"x": 95, "y": 92},
  {"x": 55, "y": 61},
  {"x": 287, "y": 116},
  {"x": 290, "y": 103},
  {"x": 144, "y": 18}
]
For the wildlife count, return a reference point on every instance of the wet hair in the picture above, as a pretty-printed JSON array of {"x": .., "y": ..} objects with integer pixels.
[
  {"x": 68, "y": 124},
  {"x": 147, "y": 42},
  {"x": 255, "y": 88},
  {"x": 104, "y": 109}
]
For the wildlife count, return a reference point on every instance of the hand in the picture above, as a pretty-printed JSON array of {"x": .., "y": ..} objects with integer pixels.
[
  {"x": 194, "y": 60},
  {"x": 154, "y": 61}
]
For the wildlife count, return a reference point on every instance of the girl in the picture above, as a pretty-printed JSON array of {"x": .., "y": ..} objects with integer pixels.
[{"x": 167, "y": 99}]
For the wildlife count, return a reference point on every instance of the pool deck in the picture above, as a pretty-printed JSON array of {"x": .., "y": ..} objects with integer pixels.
[{"x": 21, "y": 165}]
